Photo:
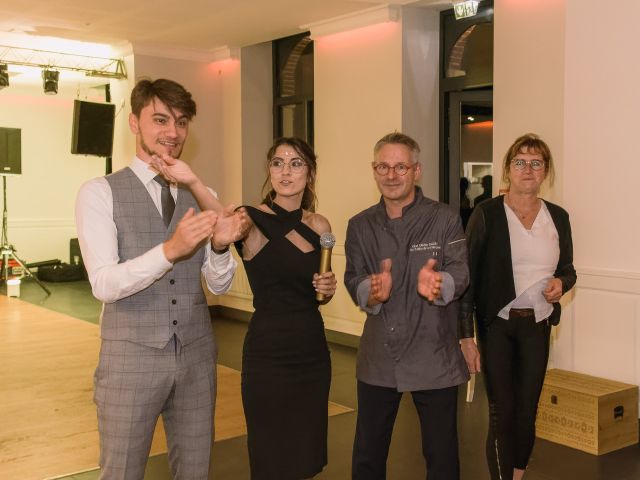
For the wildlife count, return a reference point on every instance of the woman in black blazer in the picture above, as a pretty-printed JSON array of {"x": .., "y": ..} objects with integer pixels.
[{"x": 521, "y": 262}]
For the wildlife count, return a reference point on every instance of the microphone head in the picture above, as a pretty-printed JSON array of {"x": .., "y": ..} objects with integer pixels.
[{"x": 327, "y": 240}]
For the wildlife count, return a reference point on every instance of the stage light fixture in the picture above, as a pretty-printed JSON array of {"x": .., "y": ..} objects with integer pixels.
[
  {"x": 465, "y": 8},
  {"x": 4, "y": 75},
  {"x": 50, "y": 81}
]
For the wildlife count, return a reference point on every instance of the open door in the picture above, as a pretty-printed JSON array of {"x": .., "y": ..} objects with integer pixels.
[{"x": 470, "y": 148}]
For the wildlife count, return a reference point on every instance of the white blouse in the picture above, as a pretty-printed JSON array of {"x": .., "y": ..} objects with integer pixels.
[{"x": 534, "y": 259}]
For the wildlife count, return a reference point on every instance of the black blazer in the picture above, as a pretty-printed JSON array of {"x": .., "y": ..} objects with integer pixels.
[{"x": 492, "y": 286}]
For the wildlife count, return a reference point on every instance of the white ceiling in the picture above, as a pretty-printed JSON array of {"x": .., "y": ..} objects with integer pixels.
[{"x": 189, "y": 24}]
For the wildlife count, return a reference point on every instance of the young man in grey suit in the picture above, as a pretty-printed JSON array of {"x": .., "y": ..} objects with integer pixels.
[
  {"x": 406, "y": 268},
  {"x": 146, "y": 244}
]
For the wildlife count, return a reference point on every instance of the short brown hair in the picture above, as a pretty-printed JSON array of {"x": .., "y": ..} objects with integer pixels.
[
  {"x": 528, "y": 143},
  {"x": 398, "y": 138},
  {"x": 171, "y": 93}
]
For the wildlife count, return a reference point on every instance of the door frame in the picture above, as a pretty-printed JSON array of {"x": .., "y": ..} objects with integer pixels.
[{"x": 450, "y": 30}]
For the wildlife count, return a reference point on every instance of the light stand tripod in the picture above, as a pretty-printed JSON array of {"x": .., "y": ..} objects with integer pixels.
[{"x": 6, "y": 249}]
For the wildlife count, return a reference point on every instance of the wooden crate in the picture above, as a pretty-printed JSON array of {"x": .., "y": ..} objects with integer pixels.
[{"x": 588, "y": 413}]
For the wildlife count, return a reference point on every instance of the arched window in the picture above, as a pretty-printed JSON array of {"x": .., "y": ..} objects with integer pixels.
[
  {"x": 471, "y": 55},
  {"x": 293, "y": 92}
]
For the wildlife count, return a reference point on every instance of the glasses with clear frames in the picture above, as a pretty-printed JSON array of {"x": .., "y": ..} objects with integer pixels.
[{"x": 296, "y": 165}]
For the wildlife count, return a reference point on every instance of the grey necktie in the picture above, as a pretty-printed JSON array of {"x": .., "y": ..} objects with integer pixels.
[{"x": 166, "y": 199}]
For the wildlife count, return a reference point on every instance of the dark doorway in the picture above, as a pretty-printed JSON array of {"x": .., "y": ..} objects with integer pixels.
[
  {"x": 466, "y": 107},
  {"x": 470, "y": 142}
]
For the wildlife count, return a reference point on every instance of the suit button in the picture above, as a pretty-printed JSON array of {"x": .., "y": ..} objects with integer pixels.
[
  {"x": 175, "y": 322},
  {"x": 172, "y": 281},
  {"x": 174, "y": 301}
]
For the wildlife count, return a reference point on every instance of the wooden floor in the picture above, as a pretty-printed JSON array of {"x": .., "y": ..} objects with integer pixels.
[{"x": 48, "y": 422}]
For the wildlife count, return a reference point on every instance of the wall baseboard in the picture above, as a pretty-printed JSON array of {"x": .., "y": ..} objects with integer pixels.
[{"x": 338, "y": 338}]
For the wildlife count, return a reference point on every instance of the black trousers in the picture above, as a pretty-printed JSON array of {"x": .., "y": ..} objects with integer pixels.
[
  {"x": 377, "y": 410},
  {"x": 514, "y": 357}
]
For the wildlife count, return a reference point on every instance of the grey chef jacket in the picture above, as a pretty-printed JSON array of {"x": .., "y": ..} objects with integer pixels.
[{"x": 409, "y": 343}]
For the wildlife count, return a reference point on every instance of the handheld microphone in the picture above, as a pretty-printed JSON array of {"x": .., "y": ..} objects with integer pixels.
[{"x": 327, "y": 241}]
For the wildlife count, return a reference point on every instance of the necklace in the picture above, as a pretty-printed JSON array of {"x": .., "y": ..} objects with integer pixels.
[{"x": 519, "y": 213}]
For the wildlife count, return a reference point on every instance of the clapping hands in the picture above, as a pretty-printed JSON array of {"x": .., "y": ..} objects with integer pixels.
[
  {"x": 381, "y": 283},
  {"x": 232, "y": 226},
  {"x": 430, "y": 281}
]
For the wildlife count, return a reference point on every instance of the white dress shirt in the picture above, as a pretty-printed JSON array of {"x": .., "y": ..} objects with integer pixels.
[
  {"x": 97, "y": 235},
  {"x": 534, "y": 258}
]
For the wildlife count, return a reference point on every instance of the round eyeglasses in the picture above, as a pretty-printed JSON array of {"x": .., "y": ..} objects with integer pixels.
[
  {"x": 520, "y": 164},
  {"x": 296, "y": 165},
  {"x": 399, "y": 168}
]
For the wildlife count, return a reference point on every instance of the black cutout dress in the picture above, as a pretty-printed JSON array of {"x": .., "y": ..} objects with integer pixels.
[{"x": 286, "y": 369}]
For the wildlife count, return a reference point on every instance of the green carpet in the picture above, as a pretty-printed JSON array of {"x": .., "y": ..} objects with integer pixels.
[{"x": 71, "y": 298}]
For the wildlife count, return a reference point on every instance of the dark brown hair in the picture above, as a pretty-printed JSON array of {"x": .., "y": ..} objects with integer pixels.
[
  {"x": 306, "y": 153},
  {"x": 528, "y": 143},
  {"x": 171, "y": 93}
]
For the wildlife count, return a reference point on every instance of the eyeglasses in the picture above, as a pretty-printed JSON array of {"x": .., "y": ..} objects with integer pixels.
[
  {"x": 520, "y": 164},
  {"x": 296, "y": 165},
  {"x": 400, "y": 168}
]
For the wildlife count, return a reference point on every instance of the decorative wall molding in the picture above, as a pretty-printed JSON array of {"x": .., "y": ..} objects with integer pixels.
[
  {"x": 609, "y": 280},
  {"x": 206, "y": 56},
  {"x": 599, "y": 333},
  {"x": 351, "y": 21},
  {"x": 40, "y": 223},
  {"x": 343, "y": 325},
  {"x": 589, "y": 279}
]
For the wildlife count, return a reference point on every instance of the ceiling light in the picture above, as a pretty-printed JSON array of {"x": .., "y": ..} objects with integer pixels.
[
  {"x": 50, "y": 81},
  {"x": 465, "y": 8},
  {"x": 4, "y": 76},
  {"x": 471, "y": 119}
]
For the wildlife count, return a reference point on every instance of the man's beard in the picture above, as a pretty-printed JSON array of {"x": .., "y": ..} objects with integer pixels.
[{"x": 152, "y": 152}]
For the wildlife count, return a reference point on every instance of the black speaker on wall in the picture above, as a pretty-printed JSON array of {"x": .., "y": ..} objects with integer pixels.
[
  {"x": 10, "y": 151},
  {"x": 93, "y": 128}
]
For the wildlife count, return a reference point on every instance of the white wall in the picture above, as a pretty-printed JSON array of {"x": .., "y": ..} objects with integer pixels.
[
  {"x": 204, "y": 149},
  {"x": 580, "y": 94},
  {"x": 124, "y": 143},
  {"x": 358, "y": 99},
  {"x": 420, "y": 89},
  {"x": 40, "y": 202},
  {"x": 601, "y": 170},
  {"x": 231, "y": 131},
  {"x": 247, "y": 91},
  {"x": 257, "y": 118},
  {"x": 528, "y": 79}
]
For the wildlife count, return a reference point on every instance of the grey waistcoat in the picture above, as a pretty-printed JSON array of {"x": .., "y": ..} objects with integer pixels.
[{"x": 174, "y": 304}]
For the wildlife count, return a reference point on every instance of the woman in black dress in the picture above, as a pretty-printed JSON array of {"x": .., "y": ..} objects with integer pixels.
[{"x": 286, "y": 369}]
